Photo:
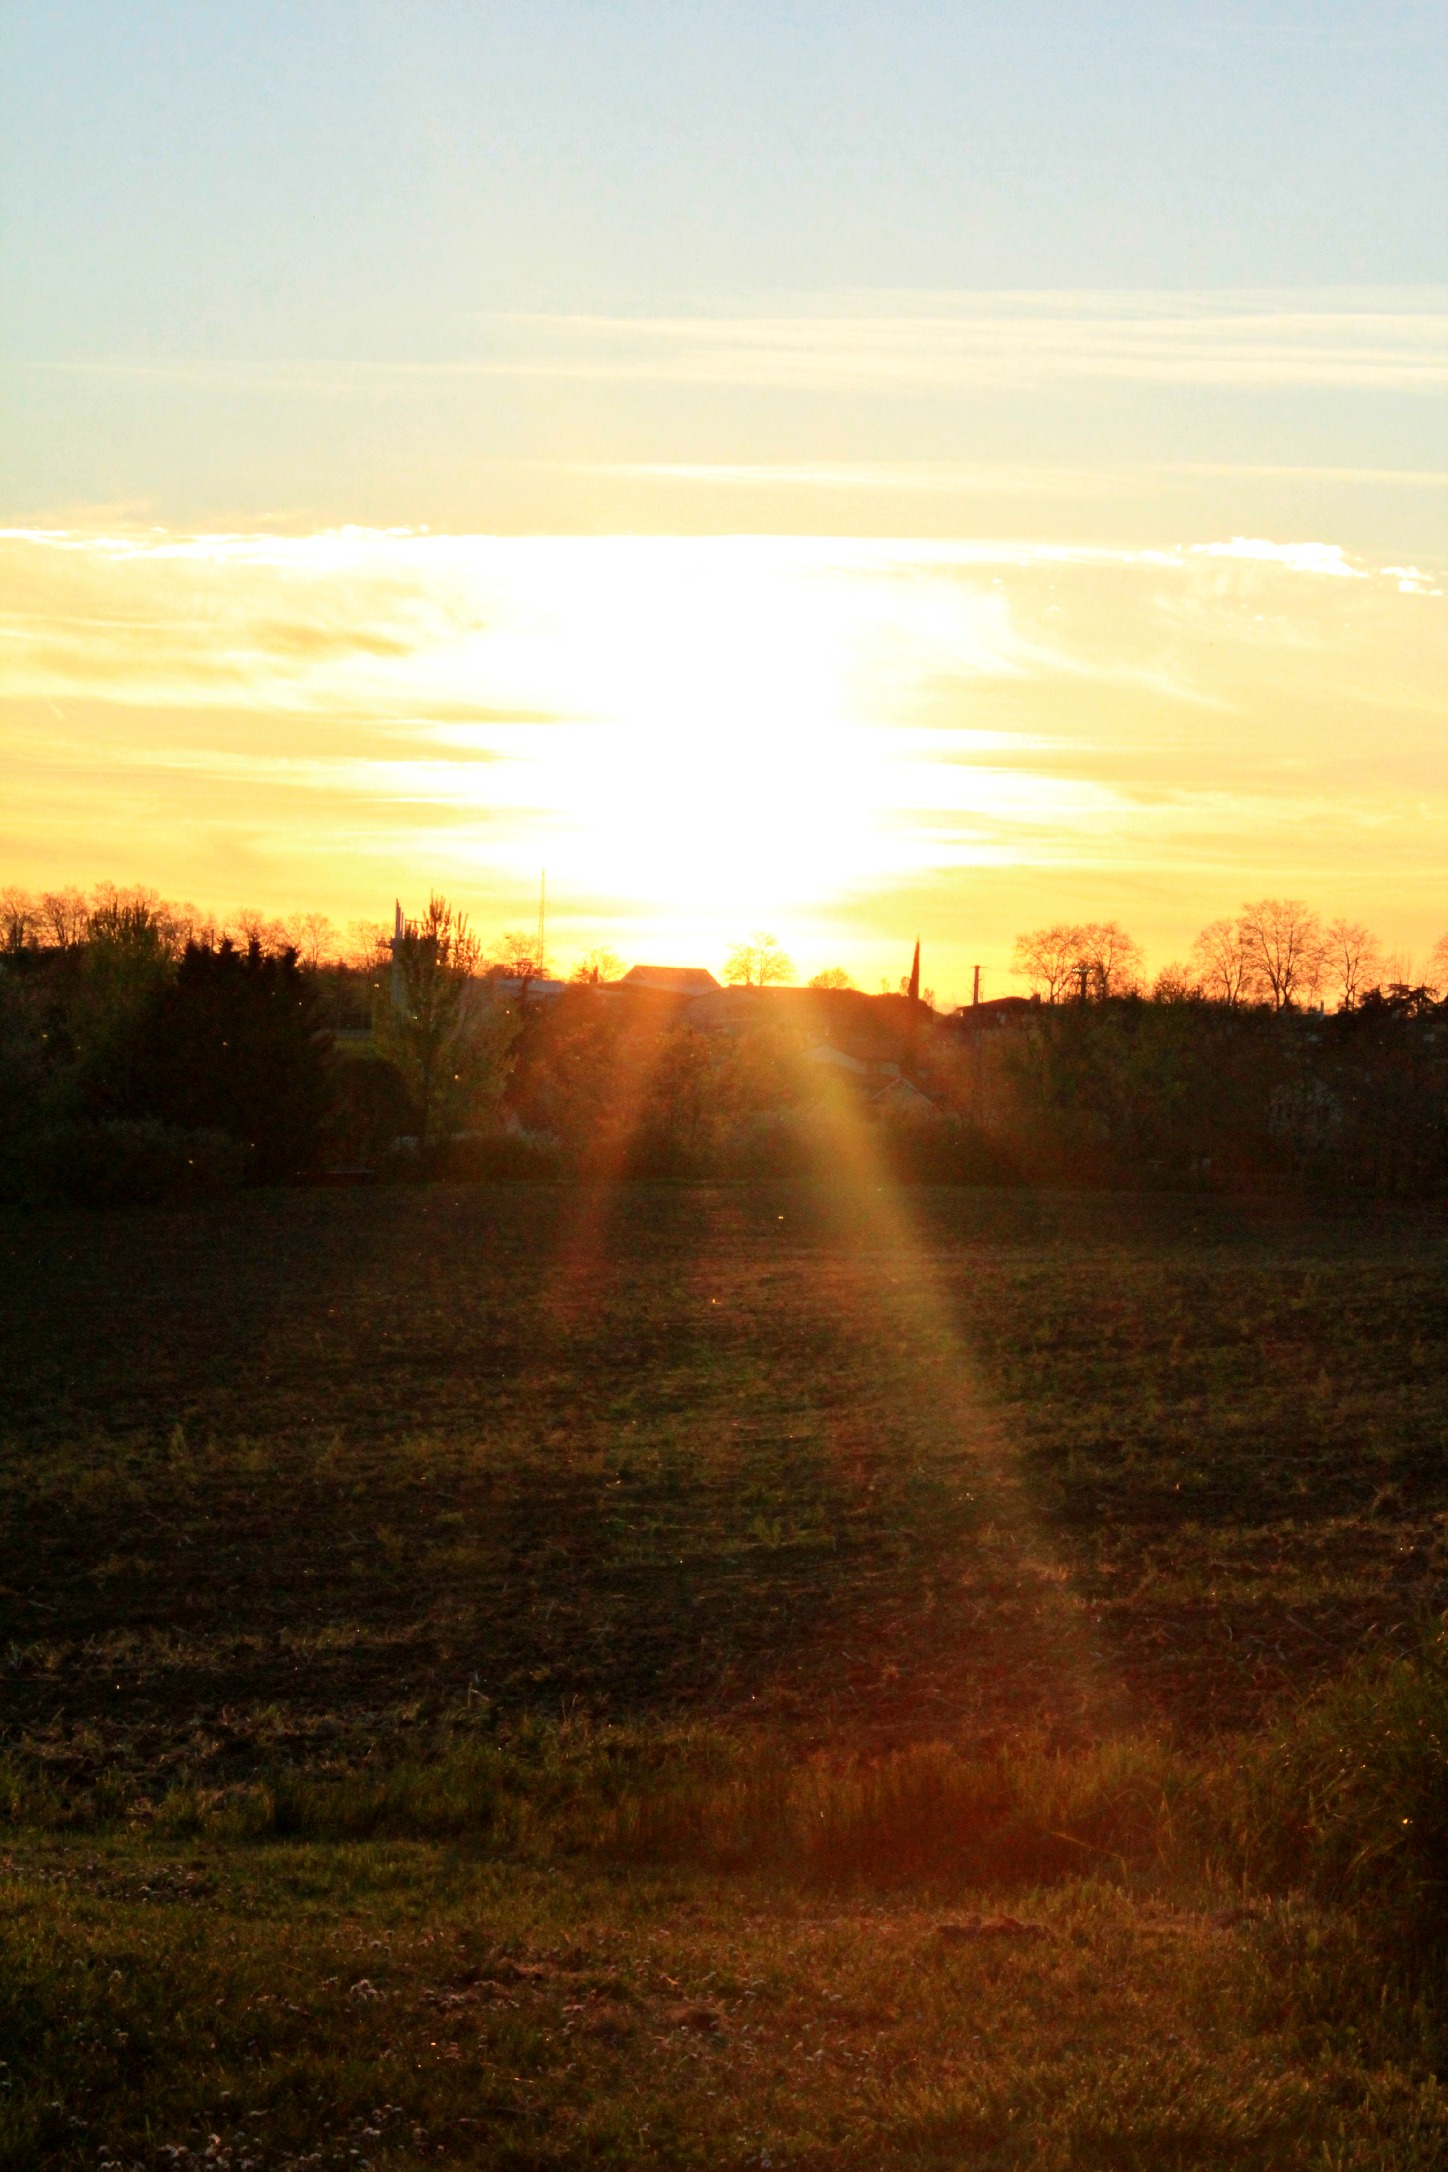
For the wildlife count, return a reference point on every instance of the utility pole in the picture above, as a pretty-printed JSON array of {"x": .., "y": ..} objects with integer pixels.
[
  {"x": 542, "y": 924},
  {"x": 975, "y": 989}
]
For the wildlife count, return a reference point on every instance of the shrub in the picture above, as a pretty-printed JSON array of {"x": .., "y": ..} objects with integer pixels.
[
  {"x": 233, "y": 1044},
  {"x": 121, "y": 1164},
  {"x": 369, "y": 1108},
  {"x": 477, "y": 1157},
  {"x": 1350, "y": 1798}
]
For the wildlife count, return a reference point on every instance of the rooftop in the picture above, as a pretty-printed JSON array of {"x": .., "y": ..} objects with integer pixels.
[{"x": 671, "y": 979}]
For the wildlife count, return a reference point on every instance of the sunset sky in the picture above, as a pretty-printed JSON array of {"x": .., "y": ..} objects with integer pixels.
[{"x": 855, "y": 471}]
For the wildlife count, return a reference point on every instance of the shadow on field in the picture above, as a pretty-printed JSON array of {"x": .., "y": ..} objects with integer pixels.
[{"x": 321, "y": 1476}]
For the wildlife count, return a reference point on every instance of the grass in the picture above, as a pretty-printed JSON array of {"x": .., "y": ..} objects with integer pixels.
[
  {"x": 622, "y": 1628},
  {"x": 399, "y": 2003}
]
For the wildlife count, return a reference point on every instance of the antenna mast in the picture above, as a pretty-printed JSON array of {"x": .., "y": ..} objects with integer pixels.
[{"x": 542, "y": 924}]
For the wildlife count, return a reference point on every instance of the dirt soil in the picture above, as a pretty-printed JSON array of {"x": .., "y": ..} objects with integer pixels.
[{"x": 306, "y": 1473}]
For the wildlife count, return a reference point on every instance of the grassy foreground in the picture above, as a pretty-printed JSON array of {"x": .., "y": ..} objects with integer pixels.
[
  {"x": 721, "y": 1678},
  {"x": 397, "y": 2003}
]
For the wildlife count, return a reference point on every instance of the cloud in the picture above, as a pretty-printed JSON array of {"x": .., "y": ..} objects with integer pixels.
[
  {"x": 932, "y": 477},
  {"x": 1411, "y": 580},
  {"x": 1391, "y": 478},
  {"x": 1322, "y": 558},
  {"x": 1006, "y": 341},
  {"x": 927, "y": 341},
  {"x": 720, "y": 728},
  {"x": 1318, "y": 558}
]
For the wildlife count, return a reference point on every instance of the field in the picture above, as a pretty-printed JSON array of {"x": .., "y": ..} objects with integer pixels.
[{"x": 523, "y": 1675}]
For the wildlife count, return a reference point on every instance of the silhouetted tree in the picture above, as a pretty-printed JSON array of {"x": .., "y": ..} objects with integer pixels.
[
  {"x": 1110, "y": 959},
  {"x": 124, "y": 967},
  {"x": 761, "y": 963},
  {"x": 1090, "y": 959},
  {"x": 313, "y": 938},
  {"x": 434, "y": 1022},
  {"x": 1282, "y": 940},
  {"x": 596, "y": 966},
  {"x": 232, "y": 1044},
  {"x": 1352, "y": 960},
  {"x": 368, "y": 946},
  {"x": 1047, "y": 958},
  {"x": 1226, "y": 968},
  {"x": 1177, "y": 983},
  {"x": 19, "y": 919},
  {"x": 268, "y": 933},
  {"x": 64, "y": 916},
  {"x": 516, "y": 957}
]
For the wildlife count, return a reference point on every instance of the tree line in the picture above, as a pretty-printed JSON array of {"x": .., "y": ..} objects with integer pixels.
[
  {"x": 1277, "y": 952},
  {"x": 146, "y": 1052}
]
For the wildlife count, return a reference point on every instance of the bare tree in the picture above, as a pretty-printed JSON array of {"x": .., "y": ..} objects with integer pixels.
[
  {"x": 761, "y": 963},
  {"x": 516, "y": 956},
  {"x": 1111, "y": 958},
  {"x": 1438, "y": 967},
  {"x": 19, "y": 919},
  {"x": 65, "y": 915},
  {"x": 833, "y": 976},
  {"x": 1283, "y": 939},
  {"x": 188, "y": 924},
  {"x": 595, "y": 967},
  {"x": 1176, "y": 983},
  {"x": 1352, "y": 961},
  {"x": 1223, "y": 965},
  {"x": 313, "y": 938},
  {"x": 255, "y": 927},
  {"x": 1049, "y": 958},
  {"x": 131, "y": 918},
  {"x": 137, "y": 906},
  {"x": 367, "y": 945},
  {"x": 1085, "y": 958}
]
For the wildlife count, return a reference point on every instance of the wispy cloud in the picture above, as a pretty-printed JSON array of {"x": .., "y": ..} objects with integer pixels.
[
  {"x": 1321, "y": 558},
  {"x": 947, "y": 478},
  {"x": 997, "y": 341},
  {"x": 1390, "y": 342},
  {"x": 907, "y": 478}
]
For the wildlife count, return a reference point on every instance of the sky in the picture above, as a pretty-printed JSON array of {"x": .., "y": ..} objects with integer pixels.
[{"x": 855, "y": 471}]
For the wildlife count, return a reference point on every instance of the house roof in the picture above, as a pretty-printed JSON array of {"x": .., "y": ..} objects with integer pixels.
[
  {"x": 671, "y": 979},
  {"x": 999, "y": 1010},
  {"x": 840, "y": 1059},
  {"x": 514, "y": 985}
]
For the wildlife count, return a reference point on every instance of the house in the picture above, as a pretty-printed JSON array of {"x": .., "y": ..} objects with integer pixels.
[
  {"x": 1008, "y": 1010},
  {"x": 901, "y": 1097},
  {"x": 684, "y": 980},
  {"x": 856, "y": 1067},
  {"x": 880, "y": 1084},
  {"x": 514, "y": 988}
]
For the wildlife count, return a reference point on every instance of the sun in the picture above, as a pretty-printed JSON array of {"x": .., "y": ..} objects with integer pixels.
[{"x": 734, "y": 733}]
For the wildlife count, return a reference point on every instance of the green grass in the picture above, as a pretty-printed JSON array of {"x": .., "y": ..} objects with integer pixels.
[
  {"x": 409, "y": 2002},
  {"x": 575, "y": 1612}
]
